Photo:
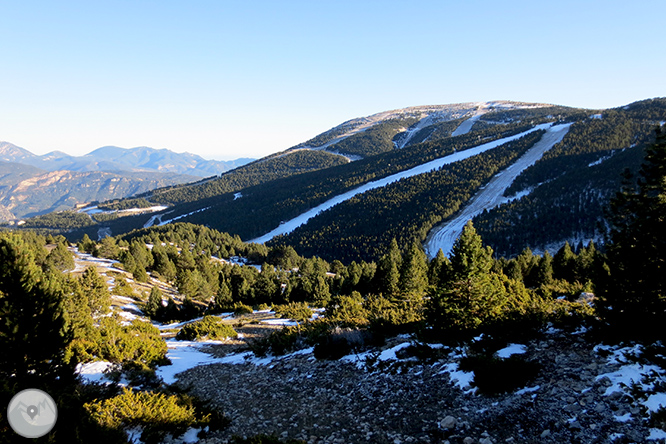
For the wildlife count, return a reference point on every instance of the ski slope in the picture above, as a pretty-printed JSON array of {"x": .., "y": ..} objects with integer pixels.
[
  {"x": 444, "y": 235},
  {"x": 291, "y": 225}
]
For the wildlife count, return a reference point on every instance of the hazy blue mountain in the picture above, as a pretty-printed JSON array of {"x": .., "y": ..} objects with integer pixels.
[
  {"x": 33, "y": 184},
  {"x": 112, "y": 158}
]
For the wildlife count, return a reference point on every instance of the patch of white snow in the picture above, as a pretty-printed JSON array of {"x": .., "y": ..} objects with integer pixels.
[
  {"x": 656, "y": 434},
  {"x": 511, "y": 349}
]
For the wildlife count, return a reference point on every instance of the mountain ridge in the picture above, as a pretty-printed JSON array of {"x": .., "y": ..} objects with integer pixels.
[
  {"x": 113, "y": 158},
  {"x": 254, "y": 199}
]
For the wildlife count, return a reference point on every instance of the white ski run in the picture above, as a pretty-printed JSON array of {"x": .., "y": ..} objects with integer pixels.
[
  {"x": 444, "y": 235},
  {"x": 290, "y": 225}
]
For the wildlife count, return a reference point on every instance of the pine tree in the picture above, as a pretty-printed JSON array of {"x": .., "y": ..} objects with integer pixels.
[
  {"x": 223, "y": 298},
  {"x": 388, "y": 271},
  {"x": 86, "y": 245},
  {"x": 266, "y": 287},
  {"x": 468, "y": 257},
  {"x": 96, "y": 291},
  {"x": 60, "y": 259},
  {"x": 564, "y": 264},
  {"x": 544, "y": 271},
  {"x": 633, "y": 296},
  {"x": 33, "y": 333},
  {"x": 414, "y": 273},
  {"x": 436, "y": 268},
  {"x": 472, "y": 295},
  {"x": 107, "y": 248},
  {"x": 154, "y": 305},
  {"x": 141, "y": 254}
]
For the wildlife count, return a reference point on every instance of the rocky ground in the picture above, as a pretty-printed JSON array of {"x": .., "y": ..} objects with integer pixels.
[{"x": 342, "y": 402}]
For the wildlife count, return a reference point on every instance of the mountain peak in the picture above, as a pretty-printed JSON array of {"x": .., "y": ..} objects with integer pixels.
[{"x": 12, "y": 153}]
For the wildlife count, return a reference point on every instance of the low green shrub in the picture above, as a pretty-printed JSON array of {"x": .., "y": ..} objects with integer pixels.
[
  {"x": 297, "y": 311},
  {"x": 422, "y": 352},
  {"x": 210, "y": 327},
  {"x": 123, "y": 288},
  {"x": 156, "y": 413},
  {"x": 342, "y": 341},
  {"x": 241, "y": 309},
  {"x": 138, "y": 343},
  {"x": 291, "y": 338},
  {"x": 332, "y": 348},
  {"x": 658, "y": 418}
]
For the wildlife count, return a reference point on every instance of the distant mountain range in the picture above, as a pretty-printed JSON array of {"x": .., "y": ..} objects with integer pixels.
[
  {"x": 113, "y": 158},
  {"x": 31, "y": 184}
]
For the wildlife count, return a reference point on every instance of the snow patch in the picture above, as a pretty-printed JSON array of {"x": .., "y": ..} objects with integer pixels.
[
  {"x": 134, "y": 435},
  {"x": 190, "y": 436},
  {"x": 601, "y": 159},
  {"x": 528, "y": 390},
  {"x": 656, "y": 434},
  {"x": 655, "y": 402},
  {"x": 284, "y": 322},
  {"x": 627, "y": 375},
  {"x": 94, "y": 372},
  {"x": 461, "y": 379},
  {"x": 510, "y": 350}
]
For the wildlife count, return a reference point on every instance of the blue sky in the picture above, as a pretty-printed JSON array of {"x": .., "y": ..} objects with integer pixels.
[{"x": 244, "y": 79}]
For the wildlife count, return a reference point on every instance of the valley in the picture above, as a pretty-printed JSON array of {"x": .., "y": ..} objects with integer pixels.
[{"x": 32, "y": 185}]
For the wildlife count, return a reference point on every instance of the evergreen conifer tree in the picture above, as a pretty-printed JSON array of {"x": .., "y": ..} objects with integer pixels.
[
  {"x": 634, "y": 294},
  {"x": 154, "y": 305},
  {"x": 96, "y": 290},
  {"x": 388, "y": 271},
  {"x": 107, "y": 248},
  {"x": 59, "y": 259},
  {"x": 472, "y": 295},
  {"x": 564, "y": 264},
  {"x": 33, "y": 333},
  {"x": 414, "y": 273},
  {"x": 437, "y": 268},
  {"x": 544, "y": 271},
  {"x": 86, "y": 245}
]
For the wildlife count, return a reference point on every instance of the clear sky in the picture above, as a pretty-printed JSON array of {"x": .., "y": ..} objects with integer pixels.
[{"x": 229, "y": 79}]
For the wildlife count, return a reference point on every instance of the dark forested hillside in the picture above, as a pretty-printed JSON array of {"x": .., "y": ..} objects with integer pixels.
[
  {"x": 251, "y": 211},
  {"x": 363, "y": 226},
  {"x": 263, "y": 207},
  {"x": 562, "y": 194},
  {"x": 573, "y": 182},
  {"x": 376, "y": 140},
  {"x": 255, "y": 173}
]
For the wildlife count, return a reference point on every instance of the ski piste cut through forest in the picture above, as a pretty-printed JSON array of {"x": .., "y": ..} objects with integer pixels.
[
  {"x": 576, "y": 178},
  {"x": 54, "y": 317}
]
